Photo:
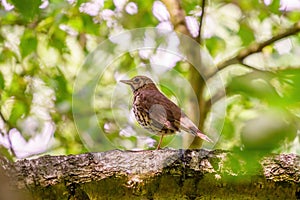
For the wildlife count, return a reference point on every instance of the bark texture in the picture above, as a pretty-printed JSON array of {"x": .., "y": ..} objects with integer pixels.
[{"x": 162, "y": 174}]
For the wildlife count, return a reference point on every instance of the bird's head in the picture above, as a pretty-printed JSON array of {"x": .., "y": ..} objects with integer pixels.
[{"x": 137, "y": 82}]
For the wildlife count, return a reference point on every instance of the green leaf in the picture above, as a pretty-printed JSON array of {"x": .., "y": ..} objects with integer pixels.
[
  {"x": 249, "y": 5},
  {"x": 246, "y": 34},
  {"x": 228, "y": 129},
  {"x": 61, "y": 87},
  {"x": 17, "y": 87},
  {"x": 58, "y": 40},
  {"x": 274, "y": 6},
  {"x": 215, "y": 45},
  {"x": 28, "y": 8},
  {"x": 255, "y": 85},
  {"x": 268, "y": 130},
  {"x": 277, "y": 89},
  {"x": 62, "y": 90},
  {"x": 2, "y": 82},
  {"x": 189, "y": 5},
  {"x": 6, "y": 54},
  {"x": 89, "y": 26},
  {"x": 289, "y": 80},
  {"x": 294, "y": 16},
  {"x": 19, "y": 109},
  {"x": 76, "y": 23},
  {"x": 28, "y": 43},
  {"x": 45, "y": 24},
  {"x": 5, "y": 152}
]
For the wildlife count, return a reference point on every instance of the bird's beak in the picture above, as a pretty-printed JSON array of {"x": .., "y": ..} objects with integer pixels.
[{"x": 126, "y": 81}]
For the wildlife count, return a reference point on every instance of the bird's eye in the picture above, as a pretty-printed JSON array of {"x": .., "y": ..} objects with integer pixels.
[{"x": 136, "y": 80}]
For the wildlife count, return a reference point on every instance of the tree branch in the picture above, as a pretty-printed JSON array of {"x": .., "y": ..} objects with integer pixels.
[
  {"x": 257, "y": 47},
  {"x": 171, "y": 174},
  {"x": 177, "y": 15},
  {"x": 216, "y": 97},
  {"x": 254, "y": 48}
]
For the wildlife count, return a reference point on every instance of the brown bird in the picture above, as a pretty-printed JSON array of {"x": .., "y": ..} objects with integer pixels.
[{"x": 155, "y": 112}]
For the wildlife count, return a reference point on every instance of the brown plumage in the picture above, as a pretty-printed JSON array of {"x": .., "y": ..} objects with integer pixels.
[{"x": 155, "y": 112}]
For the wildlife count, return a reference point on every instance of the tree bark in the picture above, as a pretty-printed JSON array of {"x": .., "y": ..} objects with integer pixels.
[{"x": 161, "y": 174}]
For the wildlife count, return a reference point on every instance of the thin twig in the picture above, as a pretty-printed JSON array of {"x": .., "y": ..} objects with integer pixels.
[
  {"x": 10, "y": 146},
  {"x": 254, "y": 68},
  {"x": 7, "y": 124},
  {"x": 201, "y": 21}
]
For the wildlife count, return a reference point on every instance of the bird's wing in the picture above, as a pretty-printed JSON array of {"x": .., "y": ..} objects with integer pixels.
[{"x": 163, "y": 112}]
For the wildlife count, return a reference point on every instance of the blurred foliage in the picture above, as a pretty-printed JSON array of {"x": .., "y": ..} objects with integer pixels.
[{"x": 44, "y": 43}]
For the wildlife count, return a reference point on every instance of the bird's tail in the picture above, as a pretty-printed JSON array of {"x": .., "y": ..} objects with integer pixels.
[
  {"x": 187, "y": 125},
  {"x": 198, "y": 133},
  {"x": 204, "y": 137}
]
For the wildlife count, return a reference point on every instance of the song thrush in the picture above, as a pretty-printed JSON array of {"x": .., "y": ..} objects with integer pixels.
[{"x": 155, "y": 112}]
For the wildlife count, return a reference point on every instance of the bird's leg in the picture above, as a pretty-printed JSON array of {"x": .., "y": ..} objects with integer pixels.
[{"x": 160, "y": 140}]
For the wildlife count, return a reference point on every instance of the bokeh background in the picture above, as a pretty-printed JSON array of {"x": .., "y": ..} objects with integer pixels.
[{"x": 44, "y": 44}]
